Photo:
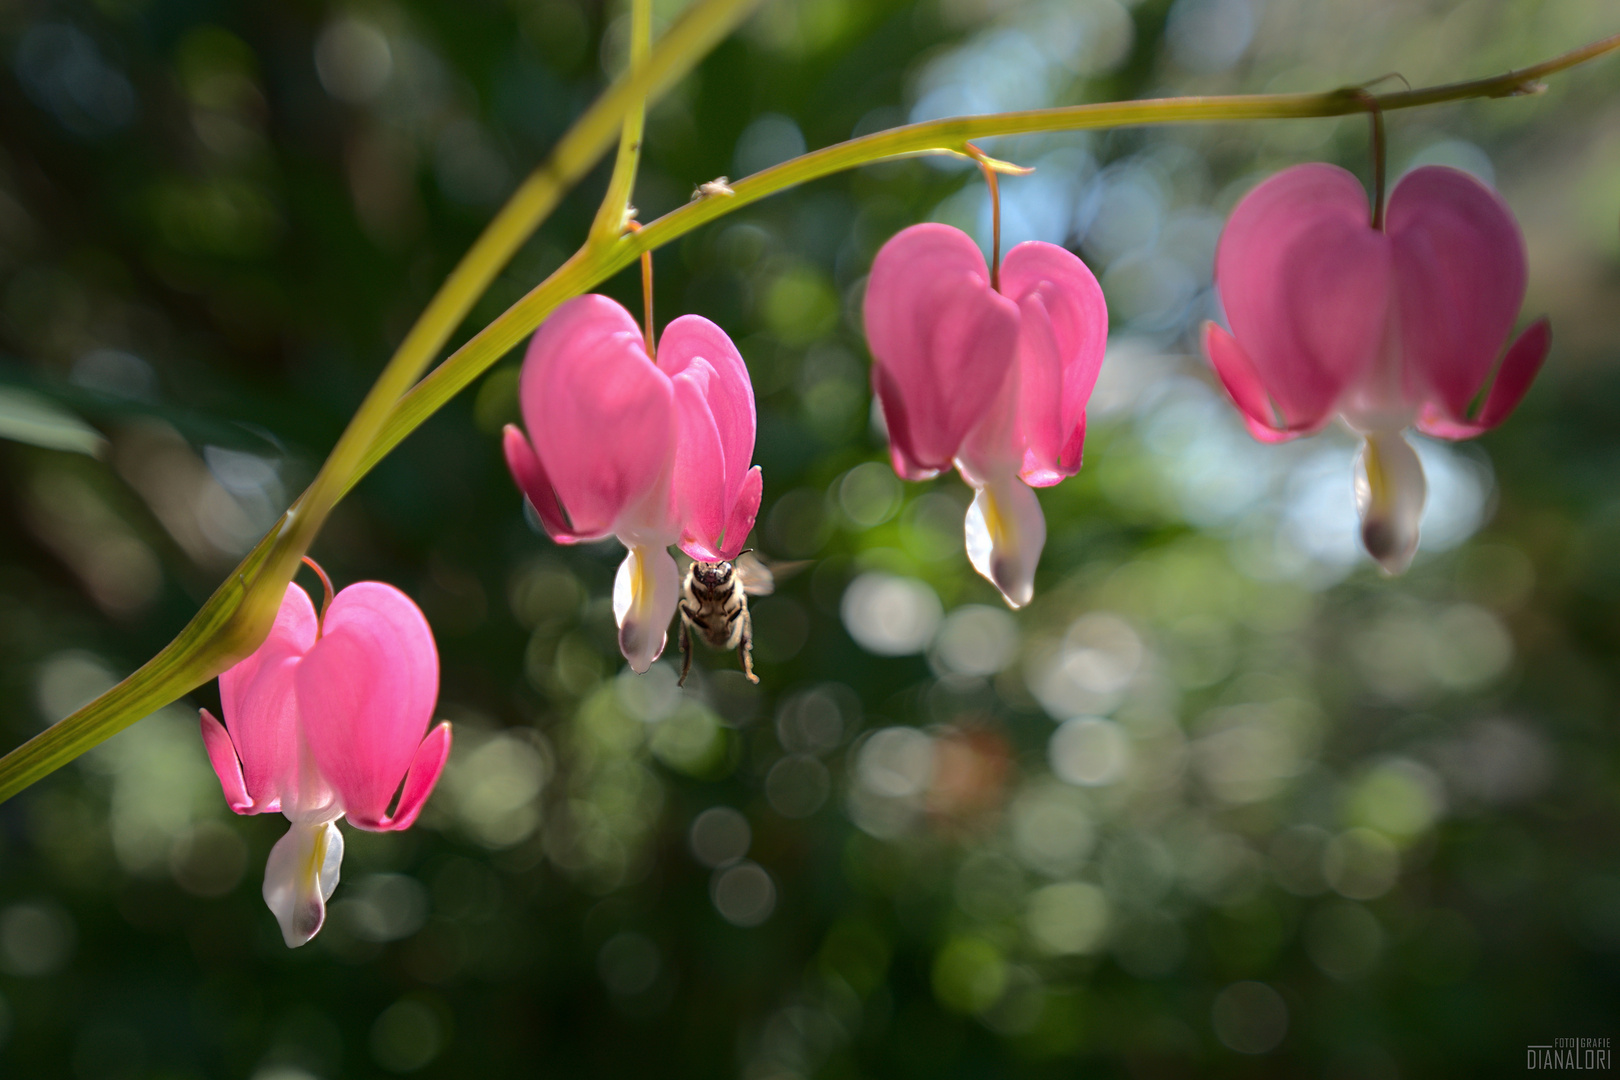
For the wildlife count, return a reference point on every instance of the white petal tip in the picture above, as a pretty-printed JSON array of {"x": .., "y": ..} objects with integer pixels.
[
  {"x": 299, "y": 879},
  {"x": 1005, "y": 532},
  {"x": 645, "y": 592},
  {"x": 1015, "y": 596},
  {"x": 1390, "y": 493}
]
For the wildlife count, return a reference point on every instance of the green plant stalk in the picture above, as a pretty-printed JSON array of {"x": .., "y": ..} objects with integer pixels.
[
  {"x": 236, "y": 618},
  {"x": 594, "y": 264},
  {"x": 612, "y": 214}
]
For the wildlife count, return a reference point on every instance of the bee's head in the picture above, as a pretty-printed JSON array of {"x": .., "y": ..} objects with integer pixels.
[{"x": 712, "y": 573}]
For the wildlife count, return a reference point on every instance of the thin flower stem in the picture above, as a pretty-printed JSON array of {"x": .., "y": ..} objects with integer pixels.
[
  {"x": 995, "y": 214},
  {"x": 1375, "y": 117},
  {"x": 646, "y": 294},
  {"x": 326, "y": 602}
]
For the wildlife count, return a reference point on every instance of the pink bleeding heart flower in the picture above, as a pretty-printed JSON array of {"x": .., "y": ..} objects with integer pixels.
[
  {"x": 1386, "y": 328},
  {"x": 652, "y": 453},
  {"x": 992, "y": 380},
  {"x": 330, "y": 716}
]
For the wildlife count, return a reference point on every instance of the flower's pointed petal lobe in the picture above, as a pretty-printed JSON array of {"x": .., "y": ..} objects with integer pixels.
[
  {"x": 300, "y": 876},
  {"x": 1005, "y": 533},
  {"x": 222, "y": 756},
  {"x": 729, "y": 392},
  {"x": 645, "y": 591},
  {"x": 1237, "y": 374},
  {"x": 942, "y": 342},
  {"x": 1243, "y": 385},
  {"x": 1390, "y": 492},
  {"x": 260, "y": 707},
  {"x": 1460, "y": 274},
  {"x": 367, "y": 691},
  {"x": 601, "y": 416},
  {"x": 897, "y": 418},
  {"x": 700, "y": 458},
  {"x": 744, "y": 512},
  {"x": 419, "y": 780},
  {"x": 1037, "y": 431},
  {"x": 1265, "y": 434},
  {"x": 1305, "y": 281},
  {"x": 1064, "y": 325},
  {"x": 531, "y": 479},
  {"x": 1068, "y": 460},
  {"x": 1519, "y": 367}
]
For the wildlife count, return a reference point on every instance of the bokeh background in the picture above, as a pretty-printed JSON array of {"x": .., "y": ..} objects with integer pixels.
[{"x": 1222, "y": 800}]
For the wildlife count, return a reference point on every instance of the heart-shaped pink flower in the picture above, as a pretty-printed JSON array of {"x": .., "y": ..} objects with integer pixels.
[
  {"x": 329, "y": 716},
  {"x": 994, "y": 381},
  {"x": 653, "y": 453},
  {"x": 1387, "y": 328}
]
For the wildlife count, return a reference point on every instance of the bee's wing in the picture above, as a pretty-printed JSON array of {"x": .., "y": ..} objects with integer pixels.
[
  {"x": 756, "y": 577},
  {"x": 759, "y": 577}
]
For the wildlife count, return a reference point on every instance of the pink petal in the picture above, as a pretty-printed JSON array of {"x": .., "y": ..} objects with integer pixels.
[
  {"x": 942, "y": 343},
  {"x": 601, "y": 418},
  {"x": 1305, "y": 281},
  {"x": 1243, "y": 385},
  {"x": 730, "y": 393},
  {"x": 1519, "y": 368},
  {"x": 1460, "y": 276},
  {"x": 222, "y": 756},
  {"x": 1038, "y": 476},
  {"x": 700, "y": 458},
  {"x": 1069, "y": 459},
  {"x": 995, "y": 445},
  {"x": 260, "y": 707},
  {"x": 420, "y": 778},
  {"x": 366, "y": 691},
  {"x": 531, "y": 479},
  {"x": 744, "y": 512},
  {"x": 1063, "y": 336},
  {"x": 897, "y": 422},
  {"x": 1524, "y": 359}
]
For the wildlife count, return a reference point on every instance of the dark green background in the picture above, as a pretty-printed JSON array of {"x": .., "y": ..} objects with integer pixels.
[{"x": 207, "y": 253}]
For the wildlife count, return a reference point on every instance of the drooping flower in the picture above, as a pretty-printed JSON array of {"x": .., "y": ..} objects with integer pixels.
[
  {"x": 993, "y": 380},
  {"x": 654, "y": 453},
  {"x": 328, "y": 717},
  {"x": 1386, "y": 328}
]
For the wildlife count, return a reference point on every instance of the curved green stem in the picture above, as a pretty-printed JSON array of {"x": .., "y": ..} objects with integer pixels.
[
  {"x": 595, "y": 263},
  {"x": 236, "y": 618},
  {"x": 614, "y": 211}
]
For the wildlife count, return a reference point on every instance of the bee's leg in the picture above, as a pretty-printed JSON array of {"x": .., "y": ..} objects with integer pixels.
[
  {"x": 745, "y": 647},
  {"x": 686, "y": 654}
]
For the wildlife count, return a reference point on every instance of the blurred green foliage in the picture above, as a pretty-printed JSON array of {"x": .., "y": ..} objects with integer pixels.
[{"x": 1223, "y": 800}]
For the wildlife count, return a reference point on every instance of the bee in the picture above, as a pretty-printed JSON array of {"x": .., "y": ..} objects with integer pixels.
[{"x": 714, "y": 606}]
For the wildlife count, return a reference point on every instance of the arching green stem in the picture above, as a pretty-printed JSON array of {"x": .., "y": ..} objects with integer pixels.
[{"x": 236, "y": 618}]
